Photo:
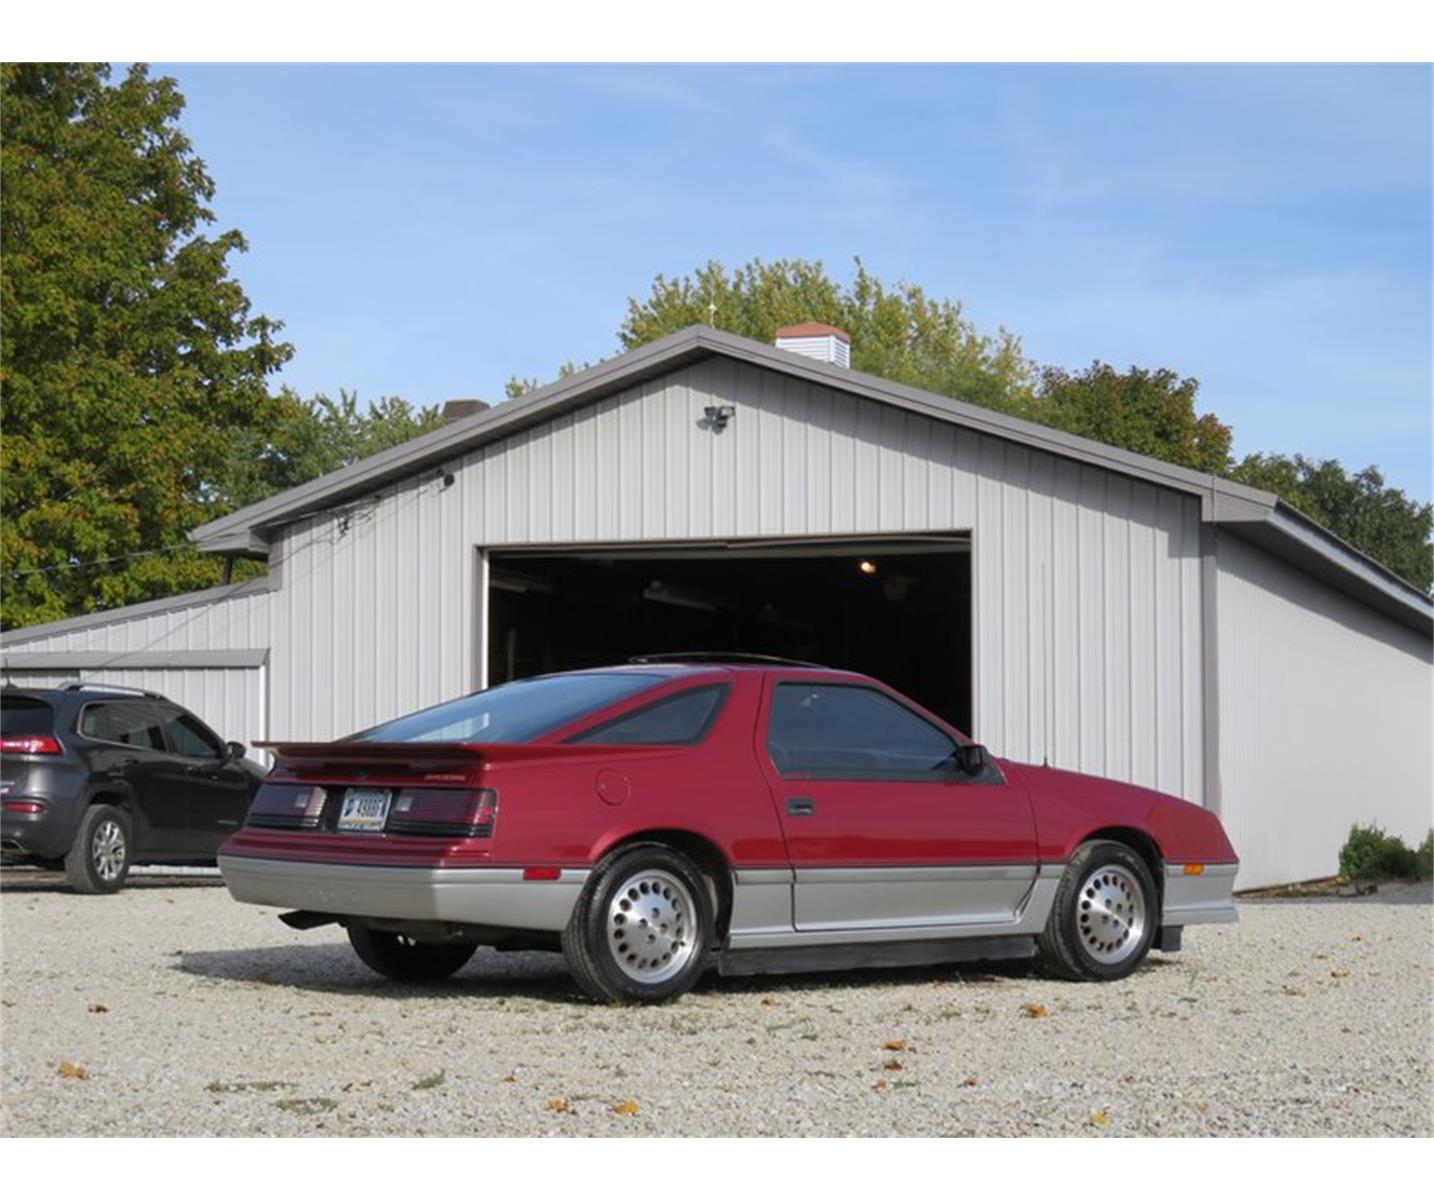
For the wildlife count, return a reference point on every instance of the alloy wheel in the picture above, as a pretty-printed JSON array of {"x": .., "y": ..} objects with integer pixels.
[
  {"x": 651, "y": 926},
  {"x": 1111, "y": 915}
]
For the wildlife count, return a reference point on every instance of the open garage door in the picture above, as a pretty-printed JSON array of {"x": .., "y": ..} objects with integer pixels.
[{"x": 899, "y": 610}]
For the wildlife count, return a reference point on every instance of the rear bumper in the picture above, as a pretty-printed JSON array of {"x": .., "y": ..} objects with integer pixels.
[
  {"x": 1204, "y": 899},
  {"x": 494, "y": 896}
]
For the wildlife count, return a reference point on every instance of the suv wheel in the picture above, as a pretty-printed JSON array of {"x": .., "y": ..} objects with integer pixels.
[{"x": 99, "y": 860}]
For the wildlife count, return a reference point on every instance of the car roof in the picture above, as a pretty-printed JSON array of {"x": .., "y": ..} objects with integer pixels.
[
  {"x": 696, "y": 668},
  {"x": 87, "y": 691}
]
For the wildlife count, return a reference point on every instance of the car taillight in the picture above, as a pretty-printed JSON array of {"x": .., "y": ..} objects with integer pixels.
[
  {"x": 29, "y": 807},
  {"x": 444, "y": 812},
  {"x": 30, "y": 744},
  {"x": 287, "y": 806}
]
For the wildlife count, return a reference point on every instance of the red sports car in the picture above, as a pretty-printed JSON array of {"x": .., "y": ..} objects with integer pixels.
[{"x": 685, "y": 812}]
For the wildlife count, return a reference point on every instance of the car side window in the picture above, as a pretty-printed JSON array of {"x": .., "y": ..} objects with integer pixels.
[
  {"x": 123, "y": 723},
  {"x": 844, "y": 731},
  {"x": 680, "y": 720},
  {"x": 189, "y": 738}
]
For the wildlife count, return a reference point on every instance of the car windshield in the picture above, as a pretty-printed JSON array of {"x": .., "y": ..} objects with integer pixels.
[
  {"x": 512, "y": 712},
  {"x": 22, "y": 715}
]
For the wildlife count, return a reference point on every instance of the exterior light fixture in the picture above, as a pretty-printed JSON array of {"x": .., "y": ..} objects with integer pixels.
[
  {"x": 718, "y": 415},
  {"x": 866, "y": 567}
]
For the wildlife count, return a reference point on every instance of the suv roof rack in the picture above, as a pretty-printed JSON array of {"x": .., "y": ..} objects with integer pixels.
[
  {"x": 722, "y": 656},
  {"x": 77, "y": 685}
]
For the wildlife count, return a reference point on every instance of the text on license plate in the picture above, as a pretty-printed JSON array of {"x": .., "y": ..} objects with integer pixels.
[{"x": 365, "y": 809}]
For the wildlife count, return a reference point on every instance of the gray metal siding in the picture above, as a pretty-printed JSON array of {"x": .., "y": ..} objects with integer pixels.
[
  {"x": 1087, "y": 584},
  {"x": 238, "y": 622},
  {"x": 1324, "y": 718}
]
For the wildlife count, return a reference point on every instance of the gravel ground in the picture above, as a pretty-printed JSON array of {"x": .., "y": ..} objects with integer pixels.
[{"x": 170, "y": 1009}]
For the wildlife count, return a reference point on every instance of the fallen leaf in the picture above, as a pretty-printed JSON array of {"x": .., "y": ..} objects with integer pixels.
[
  {"x": 879, "y": 1086},
  {"x": 894, "y": 1044},
  {"x": 970, "y": 1081},
  {"x": 768, "y": 1002},
  {"x": 1202, "y": 1109},
  {"x": 891, "y": 1065},
  {"x": 99, "y": 1008},
  {"x": 1321, "y": 956},
  {"x": 1099, "y": 1118},
  {"x": 1339, "y": 974},
  {"x": 69, "y": 1070},
  {"x": 1033, "y": 1010},
  {"x": 628, "y": 1108},
  {"x": 1127, "y": 1079},
  {"x": 1289, "y": 991},
  {"x": 558, "y": 1104}
]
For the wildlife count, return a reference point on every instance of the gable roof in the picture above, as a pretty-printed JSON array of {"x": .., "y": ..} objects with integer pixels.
[{"x": 1256, "y": 515}]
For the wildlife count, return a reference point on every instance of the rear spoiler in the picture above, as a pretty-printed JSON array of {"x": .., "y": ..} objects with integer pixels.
[{"x": 448, "y": 752}]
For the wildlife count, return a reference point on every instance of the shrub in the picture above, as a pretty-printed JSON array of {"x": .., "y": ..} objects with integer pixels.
[
  {"x": 1426, "y": 855},
  {"x": 1370, "y": 853}
]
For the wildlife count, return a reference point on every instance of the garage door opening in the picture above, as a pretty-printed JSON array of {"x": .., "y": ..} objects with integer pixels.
[{"x": 898, "y": 611}]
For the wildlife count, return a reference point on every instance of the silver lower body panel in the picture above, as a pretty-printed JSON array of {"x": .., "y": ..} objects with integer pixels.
[
  {"x": 496, "y": 896},
  {"x": 888, "y": 905},
  {"x": 1204, "y": 899}
]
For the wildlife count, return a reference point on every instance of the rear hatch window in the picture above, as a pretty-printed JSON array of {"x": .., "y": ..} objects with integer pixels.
[{"x": 24, "y": 715}]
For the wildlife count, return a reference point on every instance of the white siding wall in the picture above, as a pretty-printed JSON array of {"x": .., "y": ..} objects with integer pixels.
[
  {"x": 1087, "y": 603},
  {"x": 1324, "y": 719}
]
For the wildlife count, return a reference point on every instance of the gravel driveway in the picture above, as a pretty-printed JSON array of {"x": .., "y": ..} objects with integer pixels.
[{"x": 170, "y": 1009}]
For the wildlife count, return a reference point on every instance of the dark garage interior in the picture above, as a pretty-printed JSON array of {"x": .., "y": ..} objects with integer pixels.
[{"x": 898, "y": 611}]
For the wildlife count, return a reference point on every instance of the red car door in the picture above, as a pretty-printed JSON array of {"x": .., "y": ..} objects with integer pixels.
[{"x": 882, "y": 828}]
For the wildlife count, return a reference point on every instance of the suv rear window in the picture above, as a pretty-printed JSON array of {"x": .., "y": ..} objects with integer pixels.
[
  {"x": 122, "y": 721},
  {"x": 20, "y": 715}
]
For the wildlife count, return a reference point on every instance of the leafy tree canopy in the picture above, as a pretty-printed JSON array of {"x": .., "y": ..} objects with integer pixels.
[
  {"x": 1380, "y": 520},
  {"x": 897, "y": 331},
  {"x": 129, "y": 355},
  {"x": 1148, "y": 412},
  {"x": 313, "y": 437}
]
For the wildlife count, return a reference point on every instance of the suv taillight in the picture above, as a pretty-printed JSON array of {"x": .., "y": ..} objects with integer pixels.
[
  {"x": 30, "y": 744},
  {"x": 444, "y": 812}
]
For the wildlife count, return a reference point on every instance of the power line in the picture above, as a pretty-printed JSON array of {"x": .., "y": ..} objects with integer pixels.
[{"x": 95, "y": 562}]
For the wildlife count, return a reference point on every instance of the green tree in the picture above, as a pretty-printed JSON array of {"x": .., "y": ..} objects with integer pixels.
[
  {"x": 1148, "y": 412},
  {"x": 128, "y": 356},
  {"x": 313, "y": 437},
  {"x": 1368, "y": 514},
  {"x": 897, "y": 331}
]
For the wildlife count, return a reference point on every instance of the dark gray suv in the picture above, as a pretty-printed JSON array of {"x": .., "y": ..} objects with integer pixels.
[{"x": 94, "y": 778}]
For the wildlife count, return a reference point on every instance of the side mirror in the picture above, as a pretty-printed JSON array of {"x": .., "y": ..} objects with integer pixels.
[
  {"x": 236, "y": 750},
  {"x": 972, "y": 757}
]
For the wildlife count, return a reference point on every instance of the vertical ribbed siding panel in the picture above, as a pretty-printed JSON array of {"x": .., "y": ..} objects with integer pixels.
[
  {"x": 1324, "y": 719},
  {"x": 1016, "y": 600},
  {"x": 1117, "y": 629}
]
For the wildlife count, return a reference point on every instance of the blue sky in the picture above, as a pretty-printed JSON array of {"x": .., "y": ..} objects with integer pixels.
[{"x": 429, "y": 231}]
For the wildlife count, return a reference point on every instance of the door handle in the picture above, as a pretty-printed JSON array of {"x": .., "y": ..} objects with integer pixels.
[{"x": 799, "y": 806}]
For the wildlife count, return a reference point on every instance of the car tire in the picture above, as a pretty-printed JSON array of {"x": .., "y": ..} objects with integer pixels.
[
  {"x": 405, "y": 959},
  {"x": 1104, "y": 917},
  {"x": 641, "y": 933},
  {"x": 98, "y": 862}
]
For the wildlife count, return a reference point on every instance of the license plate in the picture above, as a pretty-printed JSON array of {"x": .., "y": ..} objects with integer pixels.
[{"x": 365, "y": 809}]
